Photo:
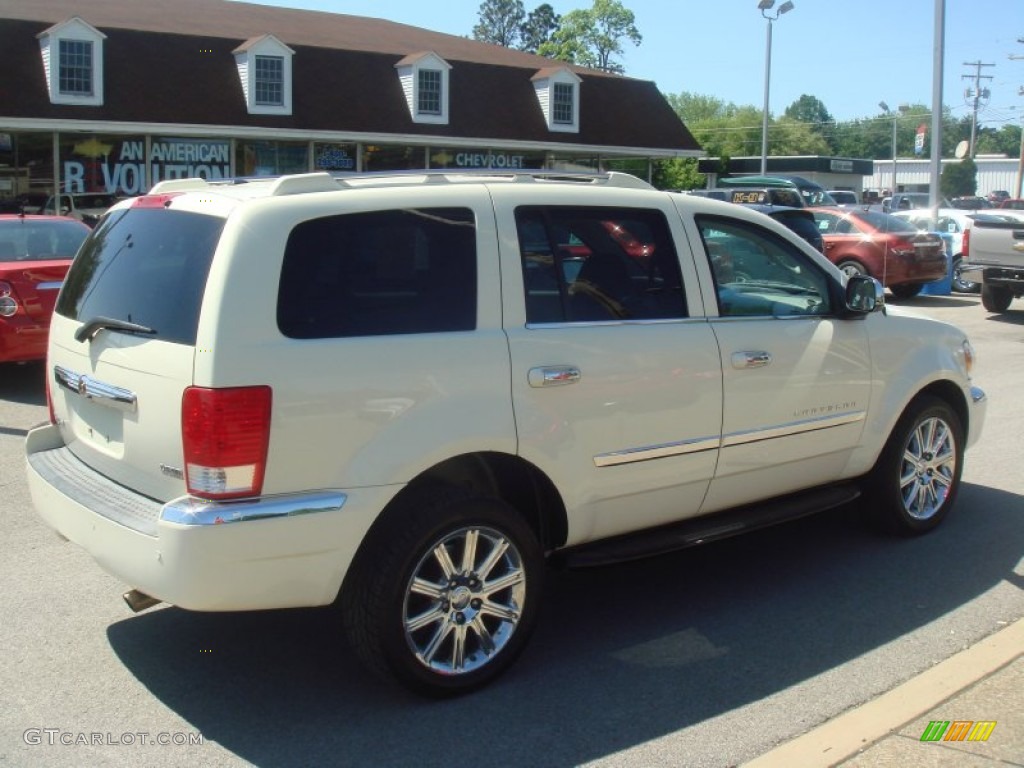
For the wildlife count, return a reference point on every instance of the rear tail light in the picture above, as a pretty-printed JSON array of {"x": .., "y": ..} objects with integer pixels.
[
  {"x": 225, "y": 434},
  {"x": 8, "y": 305},
  {"x": 965, "y": 246},
  {"x": 49, "y": 402}
]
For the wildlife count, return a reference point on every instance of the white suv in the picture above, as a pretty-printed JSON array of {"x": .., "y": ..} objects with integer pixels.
[{"x": 404, "y": 395}]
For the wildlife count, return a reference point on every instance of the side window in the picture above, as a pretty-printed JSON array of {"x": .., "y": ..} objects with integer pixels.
[
  {"x": 379, "y": 273},
  {"x": 598, "y": 264},
  {"x": 760, "y": 274}
]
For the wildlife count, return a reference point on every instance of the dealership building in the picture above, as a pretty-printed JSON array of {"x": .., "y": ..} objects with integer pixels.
[{"x": 115, "y": 95}]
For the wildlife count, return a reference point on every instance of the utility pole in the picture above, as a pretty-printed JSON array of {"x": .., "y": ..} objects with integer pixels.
[{"x": 976, "y": 94}]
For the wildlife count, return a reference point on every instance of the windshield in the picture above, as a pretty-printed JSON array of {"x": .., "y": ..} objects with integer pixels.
[{"x": 146, "y": 266}]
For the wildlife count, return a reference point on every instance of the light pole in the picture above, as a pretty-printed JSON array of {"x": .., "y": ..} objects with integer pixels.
[
  {"x": 895, "y": 116},
  {"x": 765, "y": 6}
]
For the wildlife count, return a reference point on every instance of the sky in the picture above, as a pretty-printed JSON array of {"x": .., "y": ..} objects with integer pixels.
[{"x": 849, "y": 55}]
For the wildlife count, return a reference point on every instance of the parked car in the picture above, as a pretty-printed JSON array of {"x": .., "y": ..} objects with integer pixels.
[
  {"x": 812, "y": 192},
  {"x": 970, "y": 203},
  {"x": 844, "y": 198},
  {"x": 957, "y": 223},
  {"x": 889, "y": 249},
  {"x": 408, "y": 407},
  {"x": 35, "y": 253},
  {"x": 753, "y": 195},
  {"x": 996, "y": 196},
  {"x": 1012, "y": 203},
  {"x": 87, "y": 207},
  {"x": 799, "y": 220},
  {"x": 905, "y": 201}
]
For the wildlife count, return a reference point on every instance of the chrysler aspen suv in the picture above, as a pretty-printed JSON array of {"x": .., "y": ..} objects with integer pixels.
[{"x": 406, "y": 396}]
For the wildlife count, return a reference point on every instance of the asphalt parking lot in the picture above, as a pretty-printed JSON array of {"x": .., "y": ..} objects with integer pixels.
[{"x": 707, "y": 657}]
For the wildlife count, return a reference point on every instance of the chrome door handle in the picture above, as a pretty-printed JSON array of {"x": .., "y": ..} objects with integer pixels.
[
  {"x": 743, "y": 360},
  {"x": 553, "y": 375}
]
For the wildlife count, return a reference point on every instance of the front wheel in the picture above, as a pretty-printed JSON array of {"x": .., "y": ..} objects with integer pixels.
[
  {"x": 995, "y": 298},
  {"x": 960, "y": 283},
  {"x": 915, "y": 482},
  {"x": 849, "y": 267},
  {"x": 443, "y": 596}
]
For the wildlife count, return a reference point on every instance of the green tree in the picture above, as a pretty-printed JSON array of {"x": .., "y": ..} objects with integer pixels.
[
  {"x": 959, "y": 178},
  {"x": 500, "y": 22},
  {"x": 593, "y": 37},
  {"x": 538, "y": 28},
  {"x": 810, "y": 111},
  {"x": 677, "y": 173}
]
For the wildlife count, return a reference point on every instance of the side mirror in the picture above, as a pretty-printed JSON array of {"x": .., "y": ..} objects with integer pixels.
[{"x": 864, "y": 295}]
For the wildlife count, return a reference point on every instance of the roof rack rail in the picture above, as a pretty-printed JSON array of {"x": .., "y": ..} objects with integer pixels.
[
  {"x": 177, "y": 185},
  {"x": 523, "y": 175},
  {"x": 299, "y": 183}
]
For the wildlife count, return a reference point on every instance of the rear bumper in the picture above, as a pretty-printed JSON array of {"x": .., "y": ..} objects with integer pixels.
[
  {"x": 1009, "y": 277},
  {"x": 275, "y": 552}
]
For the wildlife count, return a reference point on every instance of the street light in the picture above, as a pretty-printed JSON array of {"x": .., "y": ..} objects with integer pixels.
[
  {"x": 895, "y": 116},
  {"x": 765, "y": 6}
]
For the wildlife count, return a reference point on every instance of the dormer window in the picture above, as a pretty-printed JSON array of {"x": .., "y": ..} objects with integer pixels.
[
  {"x": 269, "y": 80},
  {"x": 557, "y": 92},
  {"x": 72, "y": 54},
  {"x": 265, "y": 72},
  {"x": 424, "y": 79}
]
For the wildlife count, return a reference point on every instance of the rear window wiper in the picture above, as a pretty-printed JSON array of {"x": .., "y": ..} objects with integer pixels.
[{"x": 97, "y": 324}]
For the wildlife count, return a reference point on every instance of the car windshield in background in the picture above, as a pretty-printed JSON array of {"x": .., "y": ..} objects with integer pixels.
[
  {"x": 144, "y": 266},
  {"x": 35, "y": 240}
]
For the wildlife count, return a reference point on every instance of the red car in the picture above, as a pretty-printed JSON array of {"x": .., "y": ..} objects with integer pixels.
[
  {"x": 35, "y": 253},
  {"x": 888, "y": 248}
]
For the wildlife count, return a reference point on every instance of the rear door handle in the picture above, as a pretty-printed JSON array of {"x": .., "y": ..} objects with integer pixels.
[{"x": 553, "y": 375}]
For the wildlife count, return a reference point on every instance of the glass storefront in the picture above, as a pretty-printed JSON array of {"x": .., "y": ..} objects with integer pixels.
[{"x": 130, "y": 164}]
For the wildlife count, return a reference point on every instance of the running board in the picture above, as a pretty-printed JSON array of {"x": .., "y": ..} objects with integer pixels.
[{"x": 700, "y": 530}]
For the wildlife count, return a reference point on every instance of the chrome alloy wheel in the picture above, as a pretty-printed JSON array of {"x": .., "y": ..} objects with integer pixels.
[
  {"x": 464, "y": 600},
  {"x": 928, "y": 468}
]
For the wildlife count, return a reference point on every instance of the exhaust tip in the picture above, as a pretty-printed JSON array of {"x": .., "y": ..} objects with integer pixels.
[{"x": 139, "y": 601}]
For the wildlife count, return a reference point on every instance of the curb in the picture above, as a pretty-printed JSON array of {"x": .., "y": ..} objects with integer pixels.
[{"x": 847, "y": 734}]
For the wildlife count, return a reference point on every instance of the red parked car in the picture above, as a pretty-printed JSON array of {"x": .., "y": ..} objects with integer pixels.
[
  {"x": 888, "y": 248},
  {"x": 35, "y": 253}
]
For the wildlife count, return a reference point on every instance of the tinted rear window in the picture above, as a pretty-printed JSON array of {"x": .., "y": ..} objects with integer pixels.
[
  {"x": 146, "y": 266},
  {"x": 380, "y": 273}
]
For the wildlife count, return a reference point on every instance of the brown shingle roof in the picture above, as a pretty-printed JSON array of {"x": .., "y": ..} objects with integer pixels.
[{"x": 178, "y": 68}]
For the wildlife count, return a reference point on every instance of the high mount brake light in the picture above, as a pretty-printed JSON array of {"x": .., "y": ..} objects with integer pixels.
[
  {"x": 225, "y": 434},
  {"x": 154, "y": 201}
]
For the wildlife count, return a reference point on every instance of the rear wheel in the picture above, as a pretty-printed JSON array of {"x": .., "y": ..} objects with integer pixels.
[
  {"x": 906, "y": 290},
  {"x": 443, "y": 595},
  {"x": 915, "y": 482},
  {"x": 995, "y": 298}
]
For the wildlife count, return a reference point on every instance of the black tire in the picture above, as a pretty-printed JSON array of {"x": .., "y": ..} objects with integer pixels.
[
  {"x": 851, "y": 267},
  {"x": 906, "y": 290},
  {"x": 961, "y": 285},
  {"x": 416, "y": 607},
  {"x": 916, "y": 479},
  {"x": 995, "y": 298}
]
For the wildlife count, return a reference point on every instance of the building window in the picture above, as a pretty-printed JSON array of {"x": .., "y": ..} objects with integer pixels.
[
  {"x": 72, "y": 57},
  {"x": 563, "y": 103},
  {"x": 269, "y": 80},
  {"x": 430, "y": 92},
  {"x": 425, "y": 85},
  {"x": 76, "y": 67},
  {"x": 265, "y": 73}
]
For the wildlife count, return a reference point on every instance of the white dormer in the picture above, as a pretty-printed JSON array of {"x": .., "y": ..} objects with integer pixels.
[
  {"x": 424, "y": 79},
  {"x": 265, "y": 71},
  {"x": 73, "y": 62},
  {"x": 558, "y": 93}
]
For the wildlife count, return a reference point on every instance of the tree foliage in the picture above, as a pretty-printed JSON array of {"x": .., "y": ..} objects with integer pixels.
[
  {"x": 959, "y": 178},
  {"x": 538, "y": 28},
  {"x": 593, "y": 37},
  {"x": 500, "y": 22}
]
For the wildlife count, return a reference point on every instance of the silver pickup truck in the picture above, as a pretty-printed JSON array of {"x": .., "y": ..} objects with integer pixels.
[{"x": 996, "y": 260}]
